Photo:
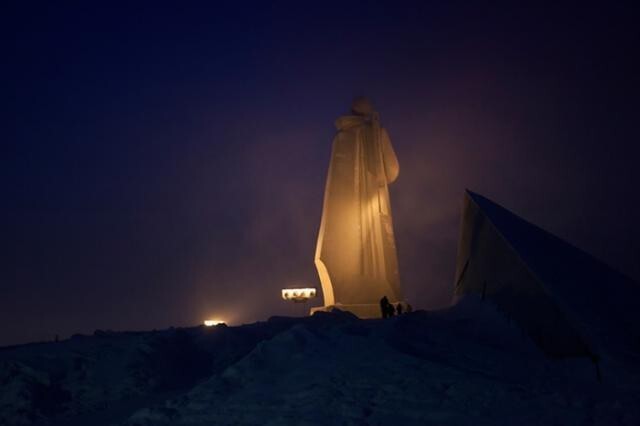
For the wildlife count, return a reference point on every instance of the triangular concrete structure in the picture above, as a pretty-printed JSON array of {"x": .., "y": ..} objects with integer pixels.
[{"x": 568, "y": 302}]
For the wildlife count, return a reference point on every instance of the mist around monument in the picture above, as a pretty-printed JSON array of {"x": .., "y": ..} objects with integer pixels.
[
  {"x": 200, "y": 225},
  {"x": 538, "y": 332}
]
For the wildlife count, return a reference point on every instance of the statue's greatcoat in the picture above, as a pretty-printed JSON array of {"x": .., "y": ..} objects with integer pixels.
[{"x": 356, "y": 252}]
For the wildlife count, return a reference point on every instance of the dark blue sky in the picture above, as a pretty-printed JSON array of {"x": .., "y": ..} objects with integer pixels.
[{"x": 162, "y": 164}]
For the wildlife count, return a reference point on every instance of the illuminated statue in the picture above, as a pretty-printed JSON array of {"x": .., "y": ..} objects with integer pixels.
[{"x": 356, "y": 252}]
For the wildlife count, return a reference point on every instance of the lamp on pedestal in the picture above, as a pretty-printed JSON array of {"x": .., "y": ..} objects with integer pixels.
[{"x": 299, "y": 295}]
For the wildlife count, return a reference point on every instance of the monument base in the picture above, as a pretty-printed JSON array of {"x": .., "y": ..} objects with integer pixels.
[{"x": 363, "y": 311}]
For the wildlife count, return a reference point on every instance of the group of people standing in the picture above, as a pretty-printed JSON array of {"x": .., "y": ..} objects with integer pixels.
[{"x": 388, "y": 309}]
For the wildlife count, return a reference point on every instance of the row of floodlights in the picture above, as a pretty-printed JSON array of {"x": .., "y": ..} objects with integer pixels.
[{"x": 298, "y": 294}]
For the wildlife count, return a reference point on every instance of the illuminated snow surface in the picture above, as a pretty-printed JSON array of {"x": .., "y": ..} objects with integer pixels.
[{"x": 461, "y": 366}]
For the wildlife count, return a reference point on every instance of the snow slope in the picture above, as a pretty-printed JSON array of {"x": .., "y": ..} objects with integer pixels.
[{"x": 460, "y": 366}]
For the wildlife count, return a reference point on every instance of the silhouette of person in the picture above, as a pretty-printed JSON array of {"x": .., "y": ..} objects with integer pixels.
[
  {"x": 409, "y": 308},
  {"x": 399, "y": 308},
  {"x": 384, "y": 306},
  {"x": 392, "y": 310}
]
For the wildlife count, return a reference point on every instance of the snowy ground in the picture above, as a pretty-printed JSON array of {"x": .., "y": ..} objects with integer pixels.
[{"x": 461, "y": 366}]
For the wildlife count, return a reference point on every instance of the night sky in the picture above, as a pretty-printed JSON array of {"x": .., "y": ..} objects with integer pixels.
[{"x": 161, "y": 165}]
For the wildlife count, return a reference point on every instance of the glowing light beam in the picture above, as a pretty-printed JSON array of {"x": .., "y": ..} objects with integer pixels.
[{"x": 212, "y": 322}]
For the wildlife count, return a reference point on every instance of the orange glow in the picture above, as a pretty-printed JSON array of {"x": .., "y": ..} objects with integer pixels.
[{"x": 212, "y": 322}]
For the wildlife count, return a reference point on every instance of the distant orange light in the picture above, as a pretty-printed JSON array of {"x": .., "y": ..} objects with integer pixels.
[{"x": 211, "y": 322}]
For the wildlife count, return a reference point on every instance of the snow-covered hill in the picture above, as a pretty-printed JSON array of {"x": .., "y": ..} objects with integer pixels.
[{"x": 464, "y": 365}]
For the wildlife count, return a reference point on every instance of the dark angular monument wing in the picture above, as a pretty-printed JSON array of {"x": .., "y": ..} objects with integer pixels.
[{"x": 569, "y": 302}]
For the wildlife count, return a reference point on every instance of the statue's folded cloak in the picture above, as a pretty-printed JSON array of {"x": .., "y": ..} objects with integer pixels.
[{"x": 356, "y": 252}]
